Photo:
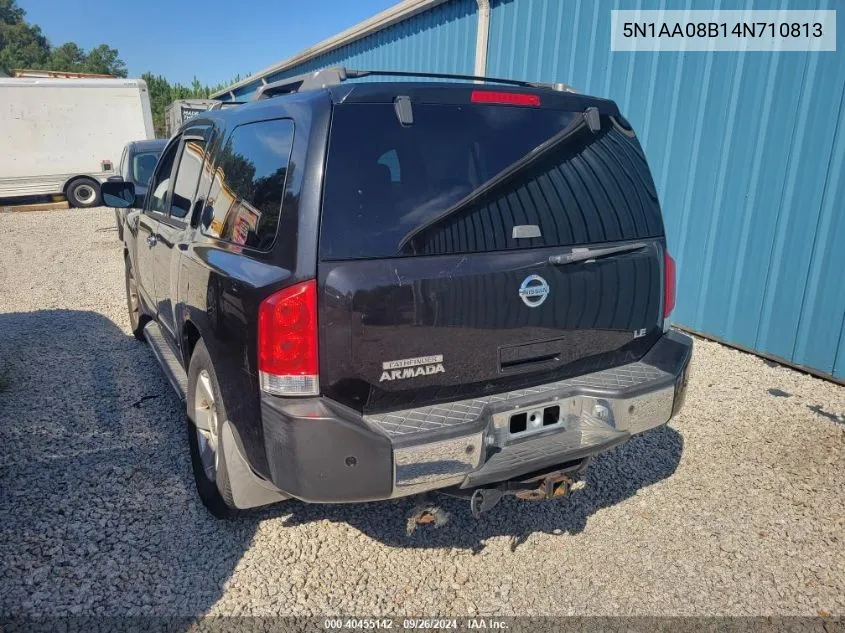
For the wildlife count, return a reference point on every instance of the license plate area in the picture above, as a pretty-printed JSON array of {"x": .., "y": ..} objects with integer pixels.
[
  {"x": 534, "y": 419},
  {"x": 553, "y": 416}
]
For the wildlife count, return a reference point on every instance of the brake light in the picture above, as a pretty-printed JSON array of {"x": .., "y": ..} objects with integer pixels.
[
  {"x": 287, "y": 341},
  {"x": 506, "y": 98},
  {"x": 668, "y": 284}
]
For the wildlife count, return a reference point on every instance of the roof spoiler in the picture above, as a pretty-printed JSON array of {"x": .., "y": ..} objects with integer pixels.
[{"x": 337, "y": 75}]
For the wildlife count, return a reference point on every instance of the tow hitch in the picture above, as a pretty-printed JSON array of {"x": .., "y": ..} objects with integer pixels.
[{"x": 549, "y": 486}]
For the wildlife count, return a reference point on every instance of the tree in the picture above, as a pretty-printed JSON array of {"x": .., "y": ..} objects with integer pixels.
[
  {"x": 160, "y": 96},
  {"x": 23, "y": 45},
  {"x": 67, "y": 57},
  {"x": 104, "y": 60},
  {"x": 10, "y": 13}
]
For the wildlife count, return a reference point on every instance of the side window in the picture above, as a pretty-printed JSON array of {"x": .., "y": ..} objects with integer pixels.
[
  {"x": 160, "y": 183},
  {"x": 248, "y": 185},
  {"x": 187, "y": 177}
]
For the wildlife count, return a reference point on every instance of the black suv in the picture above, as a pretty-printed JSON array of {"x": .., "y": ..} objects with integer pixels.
[{"x": 370, "y": 289}]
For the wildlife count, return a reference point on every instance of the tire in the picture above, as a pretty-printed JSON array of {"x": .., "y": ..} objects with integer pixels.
[
  {"x": 213, "y": 485},
  {"x": 137, "y": 319},
  {"x": 84, "y": 193}
]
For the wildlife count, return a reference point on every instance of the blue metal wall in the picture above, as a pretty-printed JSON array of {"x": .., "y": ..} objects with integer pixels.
[
  {"x": 747, "y": 151},
  {"x": 439, "y": 40}
]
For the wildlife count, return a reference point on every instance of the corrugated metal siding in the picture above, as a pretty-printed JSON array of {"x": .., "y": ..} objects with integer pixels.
[
  {"x": 747, "y": 152},
  {"x": 439, "y": 40}
]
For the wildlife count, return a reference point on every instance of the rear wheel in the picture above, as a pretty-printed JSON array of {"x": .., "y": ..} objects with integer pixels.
[
  {"x": 137, "y": 320},
  {"x": 84, "y": 193},
  {"x": 207, "y": 412}
]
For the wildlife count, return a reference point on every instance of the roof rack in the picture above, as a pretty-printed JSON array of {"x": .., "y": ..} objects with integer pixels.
[
  {"x": 222, "y": 105},
  {"x": 337, "y": 75}
]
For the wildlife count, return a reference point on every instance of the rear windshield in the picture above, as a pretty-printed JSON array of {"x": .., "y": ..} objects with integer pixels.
[{"x": 478, "y": 178}]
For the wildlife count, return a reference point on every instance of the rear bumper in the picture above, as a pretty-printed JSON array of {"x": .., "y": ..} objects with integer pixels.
[{"x": 320, "y": 451}]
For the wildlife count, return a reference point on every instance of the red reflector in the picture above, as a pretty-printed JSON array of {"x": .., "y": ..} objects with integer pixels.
[
  {"x": 507, "y": 98},
  {"x": 287, "y": 331},
  {"x": 668, "y": 284}
]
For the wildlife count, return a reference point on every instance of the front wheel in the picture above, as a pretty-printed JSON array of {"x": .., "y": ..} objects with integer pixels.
[
  {"x": 84, "y": 193},
  {"x": 207, "y": 412}
]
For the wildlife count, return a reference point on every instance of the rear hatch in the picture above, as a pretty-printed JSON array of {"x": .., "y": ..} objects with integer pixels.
[{"x": 481, "y": 242}]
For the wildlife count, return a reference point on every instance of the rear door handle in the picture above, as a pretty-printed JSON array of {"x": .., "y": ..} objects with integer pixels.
[{"x": 151, "y": 240}]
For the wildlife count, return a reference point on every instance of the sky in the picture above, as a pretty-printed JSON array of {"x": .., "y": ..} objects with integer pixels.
[{"x": 213, "y": 40}]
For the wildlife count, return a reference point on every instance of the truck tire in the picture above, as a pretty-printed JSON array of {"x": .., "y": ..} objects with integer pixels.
[
  {"x": 84, "y": 193},
  {"x": 208, "y": 460},
  {"x": 137, "y": 320}
]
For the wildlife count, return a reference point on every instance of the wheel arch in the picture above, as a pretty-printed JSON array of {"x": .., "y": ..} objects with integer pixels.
[{"x": 189, "y": 339}]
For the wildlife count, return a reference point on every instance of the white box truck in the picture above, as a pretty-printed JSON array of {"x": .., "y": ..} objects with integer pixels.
[{"x": 66, "y": 136}]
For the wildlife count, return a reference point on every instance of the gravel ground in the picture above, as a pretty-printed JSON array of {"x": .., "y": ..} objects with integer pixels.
[{"x": 738, "y": 507}]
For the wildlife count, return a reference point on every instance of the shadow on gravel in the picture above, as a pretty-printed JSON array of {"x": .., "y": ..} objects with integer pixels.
[
  {"x": 610, "y": 479},
  {"x": 100, "y": 515}
]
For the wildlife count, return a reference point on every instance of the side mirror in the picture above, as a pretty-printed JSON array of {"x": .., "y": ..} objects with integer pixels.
[{"x": 118, "y": 194}]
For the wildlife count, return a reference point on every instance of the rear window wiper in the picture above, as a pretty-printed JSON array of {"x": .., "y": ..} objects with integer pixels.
[
  {"x": 590, "y": 254},
  {"x": 588, "y": 119}
]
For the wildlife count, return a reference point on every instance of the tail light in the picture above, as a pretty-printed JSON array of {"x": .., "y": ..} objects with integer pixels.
[
  {"x": 668, "y": 284},
  {"x": 287, "y": 342},
  {"x": 505, "y": 98}
]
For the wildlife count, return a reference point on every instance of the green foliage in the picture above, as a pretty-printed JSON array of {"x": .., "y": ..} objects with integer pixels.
[
  {"x": 67, "y": 57},
  {"x": 10, "y": 13},
  {"x": 23, "y": 45},
  {"x": 104, "y": 60}
]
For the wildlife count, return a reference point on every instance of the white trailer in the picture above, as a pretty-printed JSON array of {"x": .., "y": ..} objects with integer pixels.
[{"x": 66, "y": 136}]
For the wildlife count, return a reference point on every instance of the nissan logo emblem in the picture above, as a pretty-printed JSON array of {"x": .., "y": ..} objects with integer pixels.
[{"x": 533, "y": 290}]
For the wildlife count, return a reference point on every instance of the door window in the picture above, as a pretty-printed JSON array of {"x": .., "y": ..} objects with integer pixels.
[
  {"x": 187, "y": 177},
  {"x": 160, "y": 184}
]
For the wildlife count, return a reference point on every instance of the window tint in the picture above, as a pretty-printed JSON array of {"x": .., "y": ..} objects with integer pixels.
[
  {"x": 460, "y": 178},
  {"x": 143, "y": 165},
  {"x": 187, "y": 177},
  {"x": 245, "y": 199},
  {"x": 161, "y": 184}
]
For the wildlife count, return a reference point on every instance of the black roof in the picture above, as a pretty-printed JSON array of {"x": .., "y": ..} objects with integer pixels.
[{"x": 145, "y": 146}]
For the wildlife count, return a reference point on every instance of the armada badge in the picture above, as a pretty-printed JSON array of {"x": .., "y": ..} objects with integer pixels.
[{"x": 412, "y": 367}]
